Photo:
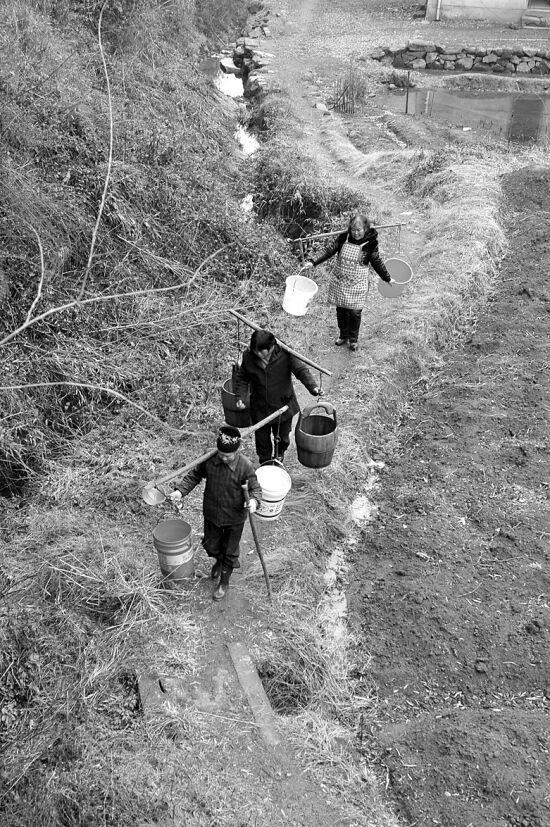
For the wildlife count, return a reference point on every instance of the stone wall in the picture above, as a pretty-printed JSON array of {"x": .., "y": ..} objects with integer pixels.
[{"x": 419, "y": 55}]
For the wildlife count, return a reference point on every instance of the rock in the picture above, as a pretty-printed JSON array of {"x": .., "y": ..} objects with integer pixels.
[
  {"x": 465, "y": 63},
  {"x": 321, "y": 106}
]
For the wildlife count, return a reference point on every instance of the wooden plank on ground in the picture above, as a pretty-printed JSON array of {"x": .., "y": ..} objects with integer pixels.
[{"x": 254, "y": 692}]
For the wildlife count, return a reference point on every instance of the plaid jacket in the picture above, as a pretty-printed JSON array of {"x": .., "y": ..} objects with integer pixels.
[{"x": 223, "y": 500}]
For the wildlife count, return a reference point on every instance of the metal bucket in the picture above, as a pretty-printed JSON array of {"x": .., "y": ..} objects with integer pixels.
[
  {"x": 316, "y": 435},
  {"x": 401, "y": 273},
  {"x": 173, "y": 540}
]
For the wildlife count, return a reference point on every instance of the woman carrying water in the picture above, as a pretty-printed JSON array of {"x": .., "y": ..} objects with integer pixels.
[{"x": 354, "y": 249}]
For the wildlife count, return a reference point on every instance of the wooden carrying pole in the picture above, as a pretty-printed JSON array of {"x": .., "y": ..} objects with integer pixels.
[
  {"x": 282, "y": 344},
  {"x": 303, "y": 238},
  {"x": 151, "y": 486}
]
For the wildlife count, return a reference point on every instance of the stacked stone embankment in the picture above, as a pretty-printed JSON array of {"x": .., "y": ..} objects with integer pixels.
[{"x": 418, "y": 55}]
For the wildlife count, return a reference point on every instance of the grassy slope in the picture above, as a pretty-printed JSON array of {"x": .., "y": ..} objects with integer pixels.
[{"x": 82, "y": 615}]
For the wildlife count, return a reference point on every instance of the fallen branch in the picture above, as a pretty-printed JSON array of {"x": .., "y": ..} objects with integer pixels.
[
  {"x": 109, "y": 161},
  {"x": 78, "y": 303},
  {"x": 41, "y": 282},
  {"x": 103, "y": 389}
]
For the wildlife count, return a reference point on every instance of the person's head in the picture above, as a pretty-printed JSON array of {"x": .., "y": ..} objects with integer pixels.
[
  {"x": 228, "y": 443},
  {"x": 359, "y": 226},
  {"x": 262, "y": 342}
]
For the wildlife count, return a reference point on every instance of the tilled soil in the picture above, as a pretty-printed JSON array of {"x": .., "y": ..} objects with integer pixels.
[{"x": 451, "y": 585}]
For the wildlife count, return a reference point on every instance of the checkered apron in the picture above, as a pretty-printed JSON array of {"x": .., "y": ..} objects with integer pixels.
[{"x": 349, "y": 282}]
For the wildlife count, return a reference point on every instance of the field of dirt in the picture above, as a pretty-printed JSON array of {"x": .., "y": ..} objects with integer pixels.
[{"x": 451, "y": 584}]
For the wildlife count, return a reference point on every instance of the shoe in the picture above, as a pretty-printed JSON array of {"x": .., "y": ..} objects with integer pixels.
[
  {"x": 216, "y": 570},
  {"x": 221, "y": 591},
  {"x": 341, "y": 342},
  {"x": 223, "y": 585},
  {"x": 353, "y": 346}
]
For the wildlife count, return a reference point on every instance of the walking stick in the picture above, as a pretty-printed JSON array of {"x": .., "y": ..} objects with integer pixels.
[{"x": 255, "y": 535}]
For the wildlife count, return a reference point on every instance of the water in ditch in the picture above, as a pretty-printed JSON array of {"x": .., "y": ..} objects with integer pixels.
[{"x": 518, "y": 118}]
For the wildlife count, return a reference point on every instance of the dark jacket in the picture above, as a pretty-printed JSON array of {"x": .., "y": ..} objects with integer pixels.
[
  {"x": 371, "y": 254},
  {"x": 271, "y": 387},
  {"x": 223, "y": 499}
]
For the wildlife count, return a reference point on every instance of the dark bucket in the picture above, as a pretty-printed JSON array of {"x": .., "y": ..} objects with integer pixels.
[
  {"x": 316, "y": 435},
  {"x": 238, "y": 417}
]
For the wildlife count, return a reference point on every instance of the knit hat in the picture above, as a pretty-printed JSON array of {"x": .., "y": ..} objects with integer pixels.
[{"x": 229, "y": 439}]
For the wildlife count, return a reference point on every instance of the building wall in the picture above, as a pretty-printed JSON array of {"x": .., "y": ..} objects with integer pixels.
[{"x": 498, "y": 11}]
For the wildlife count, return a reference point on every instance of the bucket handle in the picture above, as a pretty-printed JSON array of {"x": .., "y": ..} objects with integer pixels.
[{"x": 329, "y": 409}]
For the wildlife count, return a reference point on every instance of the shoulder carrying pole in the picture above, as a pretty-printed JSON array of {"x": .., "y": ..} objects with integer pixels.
[
  {"x": 150, "y": 493},
  {"x": 282, "y": 344}
]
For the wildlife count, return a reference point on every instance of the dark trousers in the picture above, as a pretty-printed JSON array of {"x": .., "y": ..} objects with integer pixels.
[
  {"x": 349, "y": 322},
  {"x": 265, "y": 446},
  {"x": 222, "y": 542}
]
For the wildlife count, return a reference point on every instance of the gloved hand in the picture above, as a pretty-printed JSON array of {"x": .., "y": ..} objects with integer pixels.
[
  {"x": 307, "y": 265},
  {"x": 252, "y": 505},
  {"x": 318, "y": 392},
  {"x": 240, "y": 404},
  {"x": 175, "y": 497}
]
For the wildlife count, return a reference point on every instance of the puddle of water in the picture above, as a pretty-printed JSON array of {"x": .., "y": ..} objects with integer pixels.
[
  {"x": 230, "y": 85},
  {"x": 248, "y": 142},
  {"x": 521, "y": 118}
]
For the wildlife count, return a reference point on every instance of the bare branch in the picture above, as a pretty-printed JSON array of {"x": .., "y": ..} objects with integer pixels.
[
  {"x": 41, "y": 282},
  {"x": 103, "y": 389},
  {"x": 78, "y": 303},
  {"x": 109, "y": 162}
]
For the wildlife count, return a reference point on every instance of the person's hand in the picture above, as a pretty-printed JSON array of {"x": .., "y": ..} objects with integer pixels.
[
  {"x": 240, "y": 404},
  {"x": 318, "y": 392},
  {"x": 307, "y": 265},
  {"x": 252, "y": 505},
  {"x": 391, "y": 281},
  {"x": 175, "y": 497}
]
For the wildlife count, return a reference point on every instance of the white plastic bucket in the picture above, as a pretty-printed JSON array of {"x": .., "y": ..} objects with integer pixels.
[
  {"x": 401, "y": 273},
  {"x": 275, "y": 483},
  {"x": 299, "y": 292}
]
